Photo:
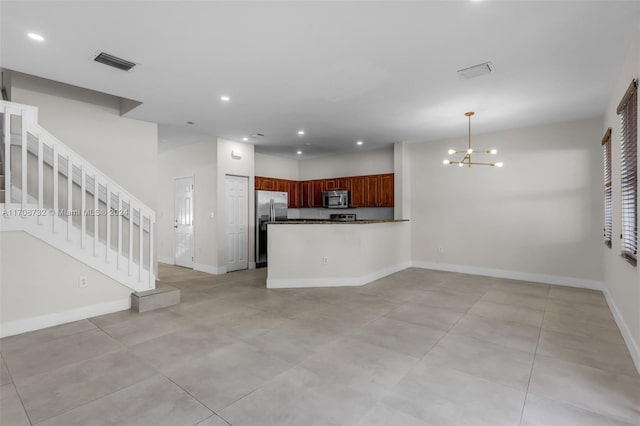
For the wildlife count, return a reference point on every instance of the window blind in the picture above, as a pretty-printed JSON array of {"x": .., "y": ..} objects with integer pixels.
[
  {"x": 608, "y": 201},
  {"x": 628, "y": 111}
]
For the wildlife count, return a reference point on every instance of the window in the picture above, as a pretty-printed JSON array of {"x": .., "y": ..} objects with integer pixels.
[
  {"x": 628, "y": 112},
  {"x": 608, "y": 214}
]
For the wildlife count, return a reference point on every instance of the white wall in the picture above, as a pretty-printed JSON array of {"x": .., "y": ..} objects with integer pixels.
[
  {"x": 227, "y": 165},
  {"x": 352, "y": 164},
  {"x": 622, "y": 280},
  {"x": 197, "y": 160},
  {"x": 539, "y": 216},
  {"x": 356, "y": 253},
  {"x": 125, "y": 150},
  {"x": 34, "y": 296},
  {"x": 90, "y": 123},
  {"x": 276, "y": 167}
]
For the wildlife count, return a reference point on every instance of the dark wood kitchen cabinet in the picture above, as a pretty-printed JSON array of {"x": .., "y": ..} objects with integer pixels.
[
  {"x": 365, "y": 191},
  {"x": 293, "y": 189},
  {"x": 336, "y": 184},
  {"x": 385, "y": 190},
  {"x": 358, "y": 185}
]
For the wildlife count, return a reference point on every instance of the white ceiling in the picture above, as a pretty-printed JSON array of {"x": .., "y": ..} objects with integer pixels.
[{"x": 382, "y": 72}]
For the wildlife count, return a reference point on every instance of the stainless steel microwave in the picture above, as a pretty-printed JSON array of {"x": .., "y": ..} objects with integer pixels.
[{"x": 335, "y": 199}]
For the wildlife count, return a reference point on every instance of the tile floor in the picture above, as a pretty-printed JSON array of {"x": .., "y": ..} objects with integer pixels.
[{"x": 416, "y": 348}]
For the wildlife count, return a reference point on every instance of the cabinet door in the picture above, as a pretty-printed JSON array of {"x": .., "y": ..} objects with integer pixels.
[
  {"x": 371, "y": 191},
  {"x": 342, "y": 184},
  {"x": 282, "y": 185},
  {"x": 330, "y": 185},
  {"x": 293, "y": 189},
  {"x": 357, "y": 185},
  {"x": 318, "y": 187},
  {"x": 306, "y": 191},
  {"x": 385, "y": 194},
  {"x": 258, "y": 183},
  {"x": 269, "y": 184}
]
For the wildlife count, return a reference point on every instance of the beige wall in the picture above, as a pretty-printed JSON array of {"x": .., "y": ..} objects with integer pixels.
[
  {"x": 540, "y": 215},
  {"x": 621, "y": 279},
  {"x": 197, "y": 160}
]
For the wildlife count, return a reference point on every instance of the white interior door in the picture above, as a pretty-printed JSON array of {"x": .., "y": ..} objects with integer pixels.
[
  {"x": 183, "y": 225},
  {"x": 237, "y": 222}
]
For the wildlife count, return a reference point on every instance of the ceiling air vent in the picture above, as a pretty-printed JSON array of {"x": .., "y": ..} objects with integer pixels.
[
  {"x": 477, "y": 70},
  {"x": 114, "y": 61}
]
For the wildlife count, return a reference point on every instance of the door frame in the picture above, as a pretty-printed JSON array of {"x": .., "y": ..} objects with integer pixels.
[
  {"x": 248, "y": 179},
  {"x": 193, "y": 219}
]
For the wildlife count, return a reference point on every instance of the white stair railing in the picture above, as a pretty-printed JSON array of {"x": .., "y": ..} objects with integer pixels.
[{"x": 36, "y": 202}]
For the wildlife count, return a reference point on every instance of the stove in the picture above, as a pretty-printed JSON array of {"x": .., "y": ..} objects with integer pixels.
[{"x": 343, "y": 217}]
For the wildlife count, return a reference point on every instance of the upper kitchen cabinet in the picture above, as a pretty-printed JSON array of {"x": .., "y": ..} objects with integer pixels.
[
  {"x": 385, "y": 190},
  {"x": 366, "y": 191},
  {"x": 336, "y": 184},
  {"x": 372, "y": 191},
  {"x": 265, "y": 184},
  {"x": 312, "y": 193}
]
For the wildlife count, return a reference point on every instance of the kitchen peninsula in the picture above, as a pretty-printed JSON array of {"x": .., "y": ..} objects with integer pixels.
[{"x": 334, "y": 254}]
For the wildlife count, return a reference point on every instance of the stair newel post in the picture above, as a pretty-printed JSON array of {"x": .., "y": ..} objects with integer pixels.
[
  {"x": 141, "y": 238},
  {"x": 119, "y": 212},
  {"x": 130, "y": 253},
  {"x": 96, "y": 199},
  {"x": 55, "y": 188},
  {"x": 151, "y": 274},
  {"x": 24, "y": 161},
  {"x": 40, "y": 180},
  {"x": 69, "y": 197},
  {"x": 7, "y": 156},
  {"x": 83, "y": 205},
  {"x": 108, "y": 236}
]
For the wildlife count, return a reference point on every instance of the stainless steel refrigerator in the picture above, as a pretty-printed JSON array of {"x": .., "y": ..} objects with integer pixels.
[{"x": 271, "y": 206}]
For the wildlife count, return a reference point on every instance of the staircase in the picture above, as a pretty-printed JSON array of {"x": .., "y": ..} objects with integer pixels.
[{"x": 55, "y": 195}]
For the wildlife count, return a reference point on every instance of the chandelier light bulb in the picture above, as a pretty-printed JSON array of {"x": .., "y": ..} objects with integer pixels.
[
  {"x": 460, "y": 164},
  {"x": 451, "y": 151},
  {"x": 499, "y": 164},
  {"x": 446, "y": 162},
  {"x": 470, "y": 151},
  {"x": 493, "y": 151}
]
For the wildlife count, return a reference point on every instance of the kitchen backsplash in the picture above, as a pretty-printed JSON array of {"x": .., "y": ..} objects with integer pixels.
[{"x": 362, "y": 213}]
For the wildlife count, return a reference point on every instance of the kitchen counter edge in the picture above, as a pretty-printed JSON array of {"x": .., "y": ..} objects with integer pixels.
[{"x": 333, "y": 222}]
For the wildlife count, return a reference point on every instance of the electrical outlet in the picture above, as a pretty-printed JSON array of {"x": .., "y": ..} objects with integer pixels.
[
  {"x": 82, "y": 282},
  {"x": 325, "y": 260}
]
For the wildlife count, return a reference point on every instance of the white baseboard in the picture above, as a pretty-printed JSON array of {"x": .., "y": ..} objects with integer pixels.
[
  {"x": 36, "y": 323},
  {"x": 167, "y": 260},
  {"x": 632, "y": 345},
  {"x": 209, "y": 269},
  {"x": 514, "y": 275},
  {"x": 335, "y": 281}
]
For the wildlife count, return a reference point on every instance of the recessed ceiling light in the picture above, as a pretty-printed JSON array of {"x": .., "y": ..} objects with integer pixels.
[
  {"x": 299, "y": 152},
  {"x": 190, "y": 122},
  {"x": 359, "y": 143},
  {"x": 35, "y": 36},
  {"x": 301, "y": 132},
  {"x": 245, "y": 139},
  {"x": 225, "y": 98}
]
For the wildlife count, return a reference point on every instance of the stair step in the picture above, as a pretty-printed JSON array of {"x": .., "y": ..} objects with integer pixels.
[{"x": 160, "y": 297}]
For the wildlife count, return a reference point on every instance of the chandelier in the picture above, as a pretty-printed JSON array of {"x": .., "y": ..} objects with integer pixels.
[{"x": 466, "y": 160}]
